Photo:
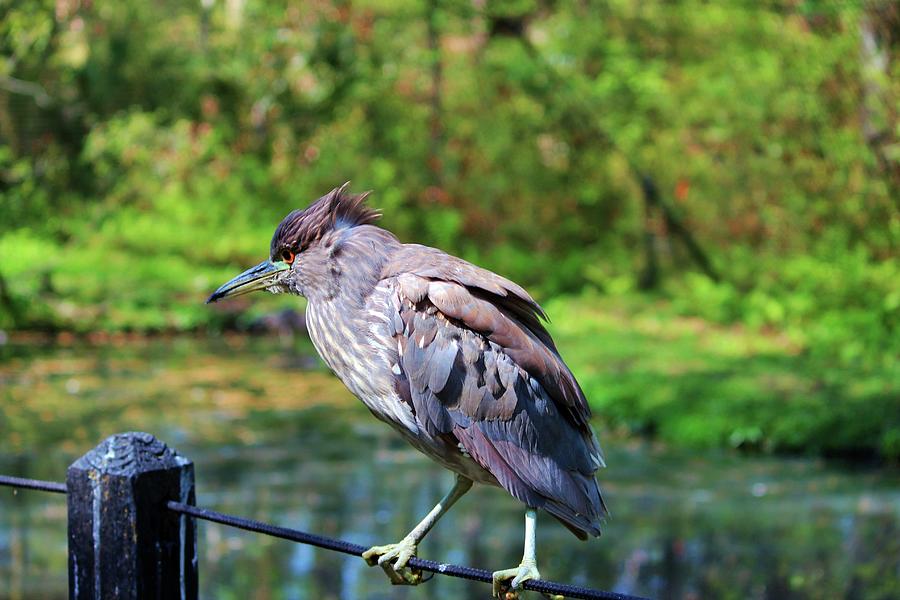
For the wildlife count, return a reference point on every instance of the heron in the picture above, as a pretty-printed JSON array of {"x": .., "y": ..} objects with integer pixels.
[{"x": 454, "y": 357}]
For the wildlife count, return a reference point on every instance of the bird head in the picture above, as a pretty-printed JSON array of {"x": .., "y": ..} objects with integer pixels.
[{"x": 304, "y": 247}]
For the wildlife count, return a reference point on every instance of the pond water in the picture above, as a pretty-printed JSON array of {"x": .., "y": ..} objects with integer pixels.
[{"x": 275, "y": 437}]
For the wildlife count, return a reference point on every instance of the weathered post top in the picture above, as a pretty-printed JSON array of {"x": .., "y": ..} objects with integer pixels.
[
  {"x": 123, "y": 541},
  {"x": 130, "y": 454}
]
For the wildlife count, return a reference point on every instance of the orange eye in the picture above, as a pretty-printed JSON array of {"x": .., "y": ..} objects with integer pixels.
[{"x": 287, "y": 256}]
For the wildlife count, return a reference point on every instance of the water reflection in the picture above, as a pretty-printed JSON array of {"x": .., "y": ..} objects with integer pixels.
[{"x": 279, "y": 443}]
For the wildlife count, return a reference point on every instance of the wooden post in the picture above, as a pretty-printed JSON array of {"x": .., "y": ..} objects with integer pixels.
[{"x": 123, "y": 541}]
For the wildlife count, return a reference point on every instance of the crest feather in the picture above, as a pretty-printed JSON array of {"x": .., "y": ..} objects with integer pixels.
[{"x": 338, "y": 209}]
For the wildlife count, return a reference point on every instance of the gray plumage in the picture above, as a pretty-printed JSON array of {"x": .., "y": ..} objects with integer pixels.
[{"x": 453, "y": 356}]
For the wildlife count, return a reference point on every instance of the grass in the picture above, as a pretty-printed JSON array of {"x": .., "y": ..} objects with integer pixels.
[{"x": 646, "y": 369}]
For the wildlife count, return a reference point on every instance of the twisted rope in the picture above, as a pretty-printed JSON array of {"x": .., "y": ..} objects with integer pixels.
[
  {"x": 471, "y": 573},
  {"x": 336, "y": 545},
  {"x": 33, "y": 484}
]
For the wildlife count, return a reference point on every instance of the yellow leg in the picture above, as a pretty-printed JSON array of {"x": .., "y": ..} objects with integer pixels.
[
  {"x": 527, "y": 569},
  {"x": 393, "y": 557}
]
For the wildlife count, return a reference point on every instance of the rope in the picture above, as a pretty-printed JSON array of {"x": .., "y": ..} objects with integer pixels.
[
  {"x": 33, "y": 484},
  {"x": 537, "y": 585},
  {"x": 471, "y": 573}
]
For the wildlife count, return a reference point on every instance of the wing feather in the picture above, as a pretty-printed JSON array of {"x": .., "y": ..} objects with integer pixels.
[
  {"x": 474, "y": 372},
  {"x": 494, "y": 306}
]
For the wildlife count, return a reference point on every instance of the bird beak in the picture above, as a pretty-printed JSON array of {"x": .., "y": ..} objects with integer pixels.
[{"x": 260, "y": 277}]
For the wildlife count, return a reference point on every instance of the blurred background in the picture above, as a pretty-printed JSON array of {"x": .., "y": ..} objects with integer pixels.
[{"x": 704, "y": 196}]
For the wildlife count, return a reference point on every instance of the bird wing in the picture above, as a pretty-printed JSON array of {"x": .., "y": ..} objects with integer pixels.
[
  {"x": 498, "y": 309},
  {"x": 476, "y": 375}
]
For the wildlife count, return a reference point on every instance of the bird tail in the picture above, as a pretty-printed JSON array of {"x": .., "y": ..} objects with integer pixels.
[{"x": 580, "y": 525}]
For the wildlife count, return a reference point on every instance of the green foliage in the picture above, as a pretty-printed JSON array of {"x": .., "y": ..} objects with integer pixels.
[
  {"x": 648, "y": 369},
  {"x": 846, "y": 306},
  {"x": 148, "y": 149}
]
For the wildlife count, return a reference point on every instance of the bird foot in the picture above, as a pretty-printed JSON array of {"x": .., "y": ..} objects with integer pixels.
[
  {"x": 392, "y": 558},
  {"x": 510, "y": 591}
]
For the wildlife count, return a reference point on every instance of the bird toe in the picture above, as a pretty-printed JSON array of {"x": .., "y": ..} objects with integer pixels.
[
  {"x": 392, "y": 558},
  {"x": 516, "y": 577}
]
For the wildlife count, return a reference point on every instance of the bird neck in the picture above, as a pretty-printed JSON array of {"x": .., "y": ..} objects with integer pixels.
[{"x": 355, "y": 263}]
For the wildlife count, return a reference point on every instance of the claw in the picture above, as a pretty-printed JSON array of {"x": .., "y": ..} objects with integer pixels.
[
  {"x": 392, "y": 558},
  {"x": 525, "y": 571},
  {"x": 403, "y": 575}
]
